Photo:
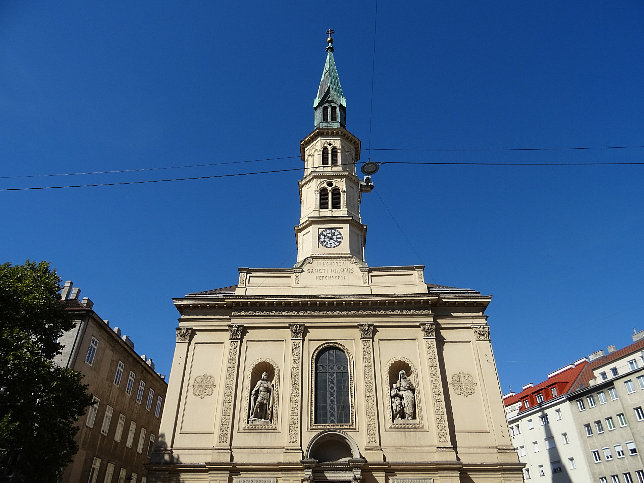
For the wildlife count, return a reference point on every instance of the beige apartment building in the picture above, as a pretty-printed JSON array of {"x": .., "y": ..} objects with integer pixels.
[
  {"x": 332, "y": 370},
  {"x": 120, "y": 429}
]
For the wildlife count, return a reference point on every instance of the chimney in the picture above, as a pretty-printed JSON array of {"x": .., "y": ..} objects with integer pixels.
[
  {"x": 87, "y": 302},
  {"x": 637, "y": 335},
  {"x": 596, "y": 355},
  {"x": 528, "y": 385},
  {"x": 106, "y": 322},
  {"x": 150, "y": 363},
  {"x": 611, "y": 348},
  {"x": 117, "y": 331},
  {"x": 66, "y": 289},
  {"x": 128, "y": 341},
  {"x": 75, "y": 293}
]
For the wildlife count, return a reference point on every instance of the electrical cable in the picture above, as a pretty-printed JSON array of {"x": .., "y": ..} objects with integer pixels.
[{"x": 485, "y": 163}]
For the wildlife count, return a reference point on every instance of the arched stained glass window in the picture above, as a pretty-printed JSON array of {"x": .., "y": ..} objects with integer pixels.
[{"x": 332, "y": 387}]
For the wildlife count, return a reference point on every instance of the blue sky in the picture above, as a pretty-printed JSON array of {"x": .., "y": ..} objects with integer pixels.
[{"x": 96, "y": 86}]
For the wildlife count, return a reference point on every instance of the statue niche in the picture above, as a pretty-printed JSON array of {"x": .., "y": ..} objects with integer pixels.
[
  {"x": 403, "y": 392},
  {"x": 262, "y": 394}
]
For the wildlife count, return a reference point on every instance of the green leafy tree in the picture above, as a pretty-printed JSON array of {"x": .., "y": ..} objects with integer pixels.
[{"x": 39, "y": 401}]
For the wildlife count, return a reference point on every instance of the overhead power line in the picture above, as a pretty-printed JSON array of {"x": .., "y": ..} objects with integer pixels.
[
  {"x": 168, "y": 180},
  {"x": 484, "y": 163},
  {"x": 479, "y": 149}
]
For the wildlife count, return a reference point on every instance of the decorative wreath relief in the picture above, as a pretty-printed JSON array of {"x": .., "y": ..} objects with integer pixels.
[
  {"x": 203, "y": 386},
  {"x": 463, "y": 384}
]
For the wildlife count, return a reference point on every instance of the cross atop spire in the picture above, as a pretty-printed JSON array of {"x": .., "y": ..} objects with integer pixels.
[{"x": 329, "y": 40}]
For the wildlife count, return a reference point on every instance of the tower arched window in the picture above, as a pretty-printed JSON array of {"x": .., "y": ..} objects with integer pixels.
[
  {"x": 325, "y": 156},
  {"x": 325, "y": 113},
  {"x": 334, "y": 113},
  {"x": 336, "y": 198},
  {"x": 332, "y": 387},
  {"x": 334, "y": 156},
  {"x": 324, "y": 199}
]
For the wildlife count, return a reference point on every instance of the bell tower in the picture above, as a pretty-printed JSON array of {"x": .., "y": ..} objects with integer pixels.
[{"x": 330, "y": 191}]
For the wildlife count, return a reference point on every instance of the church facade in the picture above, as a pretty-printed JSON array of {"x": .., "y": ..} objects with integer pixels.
[{"x": 333, "y": 370}]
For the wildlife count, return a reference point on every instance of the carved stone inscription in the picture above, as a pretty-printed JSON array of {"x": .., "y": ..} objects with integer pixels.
[
  {"x": 440, "y": 416},
  {"x": 323, "y": 272}
]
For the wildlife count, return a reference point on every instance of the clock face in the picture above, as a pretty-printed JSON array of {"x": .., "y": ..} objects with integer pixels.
[{"x": 330, "y": 238}]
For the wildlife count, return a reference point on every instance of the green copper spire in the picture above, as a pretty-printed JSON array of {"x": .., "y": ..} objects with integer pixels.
[{"x": 330, "y": 104}]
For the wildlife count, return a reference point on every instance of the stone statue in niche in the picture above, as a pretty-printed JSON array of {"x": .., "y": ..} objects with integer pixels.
[
  {"x": 261, "y": 402},
  {"x": 403, "y": 402}
]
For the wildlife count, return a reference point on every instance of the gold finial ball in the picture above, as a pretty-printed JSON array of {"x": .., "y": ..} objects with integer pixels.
[{"x": 329, "y": 40}]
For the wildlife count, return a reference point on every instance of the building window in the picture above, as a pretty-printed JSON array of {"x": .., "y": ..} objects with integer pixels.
[
  {"x": 331, "y": 387},
  {"x": 630, "y": 387},
  {"x": 602, "y": 397},
  {"x": 544, "y": 419},
  {"x": 614, "y": 479},
  {"x": 517, "y": 429},
  {"x": 639, "y": 413},
  {"x": 632, "y": 450},
  {"x": 610, "y": 423},
  {"x": 130, "y": 434},
  {"x": 591, "y": 401},
  {"x": 607, "y": 454},
  {"x": 119, "y": 373},
  {"x": 133, "y": 478},
  {"x": 334, "y": 156},
  {"x": 599, "y": 427},
  {"x": 619, "y": 451},
  {"x": 640, "y": 381},
  {"x": 603, "y": 375},
  {"x": 151, "y": 444},
  {"x": 122, "y": 475},
  {"x": 93, "y": 472},
  {"x": 535, "y": 446},
  {"x": 556, "y": 467},
  {"x": 596, "y": 457},
  {"x": 157, "y": 410},
  {"x": 139, "y": 394},
  {"x": 109, "y": 473},
  {"x": 91, "y": 412},
  {"x": 335, "y": 198},
  {"x": 325, "y": 114},
  {"x": 539, "y": 398},
  {"x": 541, "y": 472},
  {"x": 526, "y": 404},
  {"x": 139, "y": 447},
  {"x": 334, "y": 113},
  {"x": 527, "y": 473},
  {"x": 632, "y": 364},
  {"x": 558, "y": 414},
  {"x": 530, "y": 425},
  {"x": 553, "y": 390},
  {"x": 627, "y": 477},
  {"x": 130, "y": 383},
  {"x": 148, "y": 404},
  {"x": 640, "y": 476},
  {"x": 613, "y": 371},
  {"x": 324, "y": 199},
  {"x": 621, "y": 419},
  {"x": 564, "y": 437},
  {"x": 325, "y": 156},
  {"x": 105, "y": 428},
  {"x": 550, "y": 442},
  {"x": 602, "y": 479},
  {"x": 522, "y": 451},
  {"x": 589, "y": 429},
  {"x": 581, "y": 405},
  {"x": 119, "y": 428},
  {"x": 613, "y": 394},
  {"x": 91, "y": 351},
  {"x": 571, "y": 463}
]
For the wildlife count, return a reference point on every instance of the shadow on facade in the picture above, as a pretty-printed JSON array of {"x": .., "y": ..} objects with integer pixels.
[{"x": 557, "y": 468}]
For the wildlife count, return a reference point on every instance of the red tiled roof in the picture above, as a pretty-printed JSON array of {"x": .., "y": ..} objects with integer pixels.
[
  {"x": 563, "y": 381},
  {"x": 587, "y": 374}
]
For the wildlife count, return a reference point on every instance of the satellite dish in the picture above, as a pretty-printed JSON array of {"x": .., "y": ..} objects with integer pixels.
[{"x": 369, "y": 168}]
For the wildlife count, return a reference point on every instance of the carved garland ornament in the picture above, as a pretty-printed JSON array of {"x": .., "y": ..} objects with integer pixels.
[
  {"x": 440, "y": 415},
  {"x": 279, "y": 313},
  {"x": 229, "y": 385},
  {"x": 463, "y": 384},
  {"x": 203, "y": 386},
  {"x": 366, "y": 334},
  {"x": 482, "y": 332},
  {"x": 184, "y": 334},
  {"x": 297, "y": 332}
]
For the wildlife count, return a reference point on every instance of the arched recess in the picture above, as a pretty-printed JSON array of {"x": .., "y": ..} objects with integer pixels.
[
  {"x": 394, "y": 366},
  {"x": 252, "y": 376},
  {"x": 318, "y": 384},
  {"x": 325, "y": 156},
  {"x": 334, "y": 156},
  {"x": 332, "y": 446}
]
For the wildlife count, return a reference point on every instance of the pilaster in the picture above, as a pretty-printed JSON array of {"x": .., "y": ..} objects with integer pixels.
[
  {"x": 294, "y": 444},
  {"x": 371, "y": 406}
]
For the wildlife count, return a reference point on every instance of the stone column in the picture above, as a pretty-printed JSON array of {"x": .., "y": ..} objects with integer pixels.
[
  {"x": 295, "y": 401},
  {"x": 366, "y": 338},
  {"x": 436, "y": 383},
  {"x": 230, "y": 385}
]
